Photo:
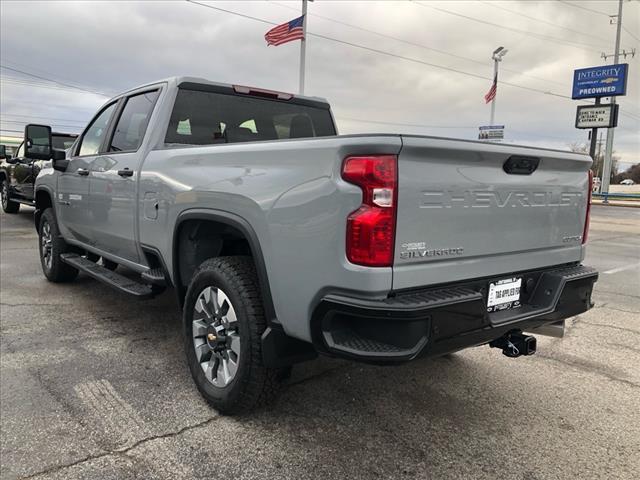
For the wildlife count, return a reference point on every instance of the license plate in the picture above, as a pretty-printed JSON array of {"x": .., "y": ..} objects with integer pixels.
[{"x": 504, "y": 294}]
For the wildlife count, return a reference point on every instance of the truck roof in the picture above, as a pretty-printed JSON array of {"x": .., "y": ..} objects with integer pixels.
[{"x": 174, "y": 82}]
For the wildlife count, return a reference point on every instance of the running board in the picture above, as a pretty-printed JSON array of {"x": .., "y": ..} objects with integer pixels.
[{"x": 113, "y": 279}]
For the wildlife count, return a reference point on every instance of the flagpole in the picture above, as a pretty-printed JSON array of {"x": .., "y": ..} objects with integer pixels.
[
  {"x": 303, "y": 46},
  {"x": 493, "y": 101},
  {"x": 498, "y": 53}
]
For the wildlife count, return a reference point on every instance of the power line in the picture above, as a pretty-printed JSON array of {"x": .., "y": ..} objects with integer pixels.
[
  {"x": 388, "y": 54},
  {"x": 491, "y": 4},
  {"x": 581, "y": 7},
  {"x": 16, "y": 81},
  {"x": 516, "y": 30},
  {"x": 45, "y": 118},
  {"x": 630, "y": 34},
  {"x": 53, "y": 80},
  {"x": 425, "y": 47},
  {"x": 26, "y": 123}
]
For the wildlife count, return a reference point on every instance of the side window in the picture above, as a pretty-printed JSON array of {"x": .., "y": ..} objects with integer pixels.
[
  {"x": 133, "y": 122},
  {"x": 94, "y": 135}
]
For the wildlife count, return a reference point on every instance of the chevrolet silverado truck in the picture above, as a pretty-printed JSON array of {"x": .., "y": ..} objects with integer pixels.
[
  {"x": 283, "y": 239},
  {"x": 18, "y": 174}
]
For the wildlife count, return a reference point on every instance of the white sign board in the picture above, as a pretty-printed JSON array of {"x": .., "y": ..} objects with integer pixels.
[
  {"x": 491, "y": 132},
  {"x": 596, "y": 116}
]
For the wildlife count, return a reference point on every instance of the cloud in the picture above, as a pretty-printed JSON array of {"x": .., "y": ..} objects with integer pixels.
[{"x": 112, "y": 46}]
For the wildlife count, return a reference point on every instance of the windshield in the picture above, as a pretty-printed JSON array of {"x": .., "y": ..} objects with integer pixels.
[
  {"x": 206, "y": 118},
  {"x": 62, "y": 142}
]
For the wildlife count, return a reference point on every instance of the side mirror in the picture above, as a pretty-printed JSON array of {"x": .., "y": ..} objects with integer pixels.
[
  {"x": 59, "y": 160},
  {"x": 37, "y": 142}
]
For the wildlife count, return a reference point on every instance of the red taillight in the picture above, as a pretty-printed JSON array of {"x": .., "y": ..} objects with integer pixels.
[
  {"x": 371, "y": 229},
  {"x": 588, "y": 216}
]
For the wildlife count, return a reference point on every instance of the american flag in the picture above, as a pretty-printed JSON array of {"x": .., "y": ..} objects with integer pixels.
[
  {"x": 491, "y": 94},
  {"x": 286, "y": 32}
]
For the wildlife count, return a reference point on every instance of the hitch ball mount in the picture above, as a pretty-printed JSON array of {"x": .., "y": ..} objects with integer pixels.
[{"x": 515, "y": 344}]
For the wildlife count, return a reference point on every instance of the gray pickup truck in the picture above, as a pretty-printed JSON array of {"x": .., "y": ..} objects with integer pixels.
[{"x": 283, "y": 239}]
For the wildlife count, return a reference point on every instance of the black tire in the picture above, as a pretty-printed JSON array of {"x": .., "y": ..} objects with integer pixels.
[
  {"x": 253, "y": 385},
  {"x": 8, "y": 205},
  {"x": 54, "y": 269}
]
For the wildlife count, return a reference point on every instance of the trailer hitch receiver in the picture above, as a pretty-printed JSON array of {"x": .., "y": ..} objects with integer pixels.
[{"x": 515, "y": 344}]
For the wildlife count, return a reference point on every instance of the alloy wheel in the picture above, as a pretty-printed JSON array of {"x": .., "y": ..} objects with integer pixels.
[
  {"x": 216, "y": 339},
  {"x": 46, "y": 243}
]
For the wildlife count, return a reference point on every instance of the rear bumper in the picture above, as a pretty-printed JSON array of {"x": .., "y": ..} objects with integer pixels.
[{"x": 439, "y": 320}]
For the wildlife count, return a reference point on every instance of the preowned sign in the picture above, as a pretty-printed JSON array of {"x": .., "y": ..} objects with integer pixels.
[
  {"x": 597, "y": 116},
  {"x": 605, "y": 81}
]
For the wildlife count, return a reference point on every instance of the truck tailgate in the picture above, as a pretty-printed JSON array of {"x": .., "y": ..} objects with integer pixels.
[{"x": 462, "y": 216}]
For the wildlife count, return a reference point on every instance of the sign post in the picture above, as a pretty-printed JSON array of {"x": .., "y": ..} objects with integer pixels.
[
  {"x": 598, "y": 82},
  {"x": 594, "y": 134}
]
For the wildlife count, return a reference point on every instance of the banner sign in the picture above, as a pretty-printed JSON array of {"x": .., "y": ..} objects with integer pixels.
[
  {"x": 491, "y": 132},
  {"x": 597, "y": 116},
  {"x": 604, "y": 81}
]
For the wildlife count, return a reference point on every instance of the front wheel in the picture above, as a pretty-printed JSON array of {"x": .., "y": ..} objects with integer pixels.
[
  {"x": 223, "y": 323},
  {"x": 8, "y": 205},
  {"x": 52, "y": 245}
]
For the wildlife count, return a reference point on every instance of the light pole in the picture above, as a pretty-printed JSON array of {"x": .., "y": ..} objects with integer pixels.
[
  {"x": 498, "y": 53},
  {"x": 606, "y": 171},
  {"x": 303, "y": 46}
]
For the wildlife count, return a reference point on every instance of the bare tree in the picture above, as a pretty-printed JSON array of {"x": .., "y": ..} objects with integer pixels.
[{"x": 598, "y": 161}]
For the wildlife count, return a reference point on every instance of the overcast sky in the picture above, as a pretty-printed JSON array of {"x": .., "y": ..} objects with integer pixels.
[{"x": 436, "y": 89}]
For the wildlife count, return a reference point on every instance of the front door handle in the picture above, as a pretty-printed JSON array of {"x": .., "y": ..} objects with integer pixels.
[
  {"x": 125, "y": 173},
  {"x": 82, "y": 171}
]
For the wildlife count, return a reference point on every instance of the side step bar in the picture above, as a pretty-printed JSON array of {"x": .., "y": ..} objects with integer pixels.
[{"x": 113, "y": 279}]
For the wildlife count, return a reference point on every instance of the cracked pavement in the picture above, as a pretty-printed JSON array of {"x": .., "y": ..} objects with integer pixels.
[{"x": 93, "y": 385}]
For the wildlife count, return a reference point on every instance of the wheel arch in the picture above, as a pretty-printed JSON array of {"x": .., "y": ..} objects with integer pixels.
[
  {"x": 44, "y": 200},
  {"x": 217, "y": 218}
]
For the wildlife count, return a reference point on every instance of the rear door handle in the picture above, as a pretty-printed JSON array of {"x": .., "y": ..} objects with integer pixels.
[
  {"x": 82, "y": 171},
  {"x": 125, "y": 173}
]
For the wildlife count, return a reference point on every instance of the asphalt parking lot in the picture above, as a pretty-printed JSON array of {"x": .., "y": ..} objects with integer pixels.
[{"x": 94, "y": 386}]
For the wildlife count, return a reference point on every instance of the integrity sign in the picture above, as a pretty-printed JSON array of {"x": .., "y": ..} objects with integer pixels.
[{"x": 604, "y": 81}]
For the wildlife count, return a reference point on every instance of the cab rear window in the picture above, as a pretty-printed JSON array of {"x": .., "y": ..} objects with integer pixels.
[{"x": 208, "y": 118}]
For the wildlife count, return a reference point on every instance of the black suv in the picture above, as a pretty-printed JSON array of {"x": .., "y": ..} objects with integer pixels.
[{"x": 18, "y": 174}]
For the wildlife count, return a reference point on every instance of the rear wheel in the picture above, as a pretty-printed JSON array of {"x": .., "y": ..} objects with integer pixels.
[
  {"x": 8, "y": 205},
  {"x": 223, "y": 323},
  {"x": 52, "y": 245}
]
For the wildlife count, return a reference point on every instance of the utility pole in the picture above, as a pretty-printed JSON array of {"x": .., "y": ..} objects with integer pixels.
[
  {"x": 594, "y": 137},
  {"x": 303, "y": 46},
  {"x": 498, "y": 53},
  {"x": 606, "y": 173}
]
